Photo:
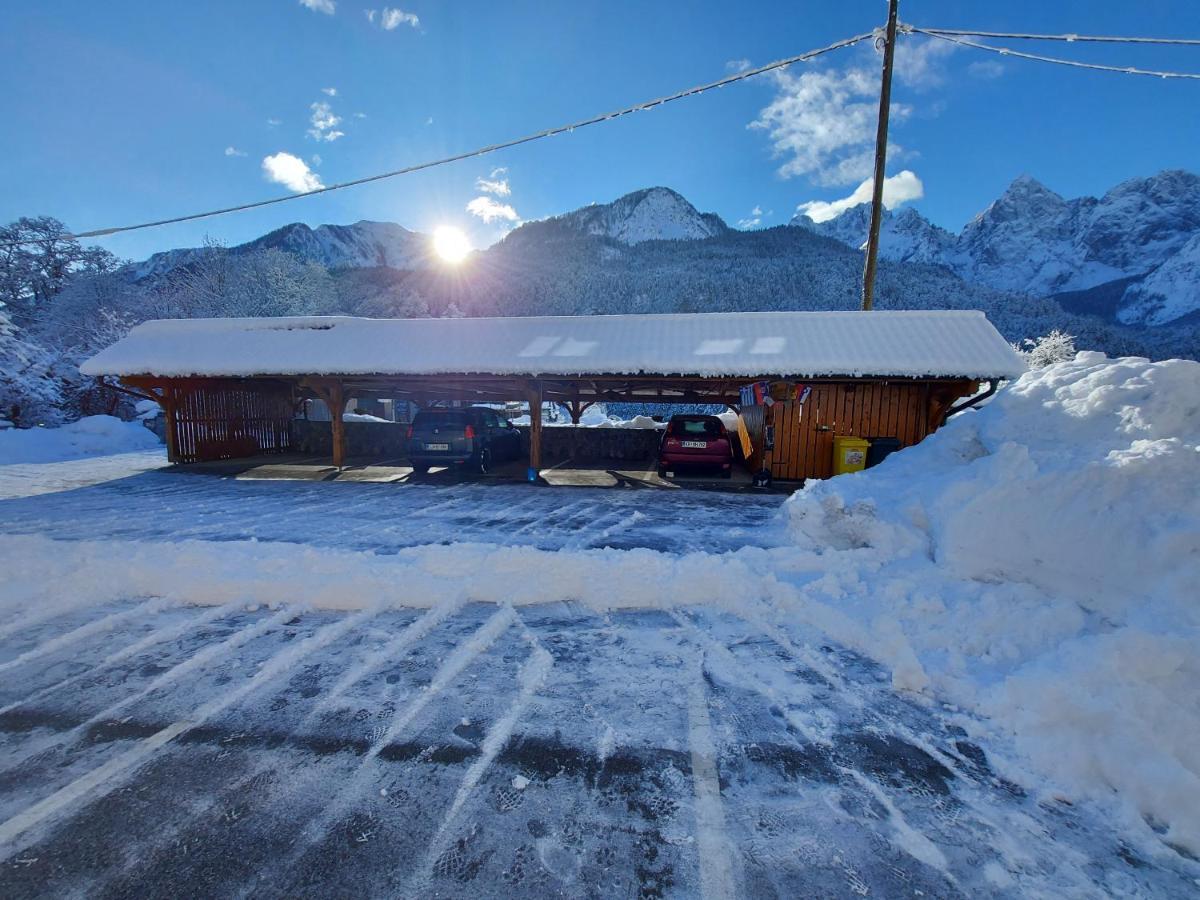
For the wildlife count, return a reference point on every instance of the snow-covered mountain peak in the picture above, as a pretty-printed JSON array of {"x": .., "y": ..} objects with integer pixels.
[
  {"x": 1025, "y": 199},
  {"x": 1031, "y": 240},
  {"x": 651, "y": 214},
  {"x": 365, "y": 244}
]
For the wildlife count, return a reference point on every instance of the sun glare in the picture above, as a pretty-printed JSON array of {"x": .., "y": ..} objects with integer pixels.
[{"x": 451, "y": 244}]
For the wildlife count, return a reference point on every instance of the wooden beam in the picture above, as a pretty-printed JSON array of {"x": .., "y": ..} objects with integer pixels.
[
  {"x": 533, "y": 396},
  {"x": 337, "y": 407},
  {"x": 171, "y": 420}
]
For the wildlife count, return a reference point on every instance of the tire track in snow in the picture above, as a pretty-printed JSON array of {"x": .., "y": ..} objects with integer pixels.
[
  {"x": 462, "y": 656},
  {"x": 149, "y": 640},
  {"x": 200, "y": 659},
  {"x": 884, "y": 724},
  {"x": 908, "y": 839},
  {"x": 112, "y": 773},
  {"x": 739, "y": 675},
  {"x": 530, "y": 678},
  {"x": 713, "y": 846},
  {"x": 153, "y": 605},
  {"x": 413, "y": 632},
  {"x": 43, "y": 611}
]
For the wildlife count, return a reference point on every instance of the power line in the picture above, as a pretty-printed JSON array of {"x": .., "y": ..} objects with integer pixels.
[
  {"x": 481, "y": 151},
  {"x": 1005, "y": 51},
  {"x": 1069, "y": 38}
]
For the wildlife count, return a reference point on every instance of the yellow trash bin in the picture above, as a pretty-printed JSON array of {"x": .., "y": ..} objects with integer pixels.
[{"x": 849, "y": 454}]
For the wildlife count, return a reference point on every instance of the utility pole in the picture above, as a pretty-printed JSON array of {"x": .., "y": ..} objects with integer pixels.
[{"x": 885, "y": 104}]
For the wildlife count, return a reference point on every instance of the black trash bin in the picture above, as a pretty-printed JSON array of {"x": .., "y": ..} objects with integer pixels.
[{"x": 879, "y": 449}]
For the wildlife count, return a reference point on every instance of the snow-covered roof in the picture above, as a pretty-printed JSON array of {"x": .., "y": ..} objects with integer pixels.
[{"x": 959, "y": 343}]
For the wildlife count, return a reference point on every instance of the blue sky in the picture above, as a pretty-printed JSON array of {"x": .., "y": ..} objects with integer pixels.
[{"x": 126, "y": 111}]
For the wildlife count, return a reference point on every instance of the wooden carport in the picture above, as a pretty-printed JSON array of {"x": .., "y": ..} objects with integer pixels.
[{"x": 230, "y": 388}]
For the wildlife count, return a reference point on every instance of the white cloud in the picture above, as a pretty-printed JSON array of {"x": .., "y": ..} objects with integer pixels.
[
  {"x": 315, "y": 159},
  {"x": 274, "y": 122},
  {"x": 737, "y": 65},
  {"x": 324, "y": 6},
  {"x": 324, "y": 123},
  {"x": 986, "y": 69},
  {"x": 234, "y": 151},
  {"x": 919, "y": 62},
  {"x": 429, "y": 121},
  {"x": 329, "y": 92},
  {"x": 490, "y": 210},
  {"x": 394, "y": 18},
  {"x": 900, "y": 188},
  {"x": 824, "y": 123},
  {"x": 290, "y": 171},
  {"x": 371, "y": 13},
  {"x": 360, "y": 115},
  {"x": 494, "y": 185},
  {"x": 753, "y": 220}
]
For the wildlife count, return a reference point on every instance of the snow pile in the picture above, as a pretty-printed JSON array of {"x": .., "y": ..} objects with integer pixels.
[
  {"x": 90, "y": 436},
  {"x": 594, "y": 417},
  {"x": 202, "y": 572},
  {"x": 1038, "y": 561}
]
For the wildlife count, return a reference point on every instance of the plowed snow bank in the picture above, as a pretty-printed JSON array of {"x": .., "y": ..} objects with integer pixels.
[{"x": 1039, "y": 561}]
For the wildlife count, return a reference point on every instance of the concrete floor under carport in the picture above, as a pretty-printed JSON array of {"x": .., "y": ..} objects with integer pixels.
[{"x": 605, "y": 474}]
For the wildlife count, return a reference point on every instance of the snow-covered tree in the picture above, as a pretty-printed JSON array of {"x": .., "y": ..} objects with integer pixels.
[
  {"x": 29, "y": 393},
  {"x": 38, "y": 259},
  {"x": 1057, "y": 346}
]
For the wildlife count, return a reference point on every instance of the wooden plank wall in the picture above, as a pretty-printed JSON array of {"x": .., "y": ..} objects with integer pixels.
[
  {"x": 804, "y": 433},
  {"x": 230, "y": 422}
]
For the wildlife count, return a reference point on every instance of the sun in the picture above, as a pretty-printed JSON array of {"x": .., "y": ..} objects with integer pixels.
[{"x": 451, "y": 244}]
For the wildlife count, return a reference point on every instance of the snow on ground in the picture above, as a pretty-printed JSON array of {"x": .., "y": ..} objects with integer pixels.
[
  {"x": 90, "y": 436},
  {"x": 1038, "y": 562},
  {"x": 968, "y": 672}
]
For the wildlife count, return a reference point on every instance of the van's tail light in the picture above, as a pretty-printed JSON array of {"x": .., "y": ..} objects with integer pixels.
[
  {"x": 410, "y": 433},
  {"x": 470, "y": 432}
]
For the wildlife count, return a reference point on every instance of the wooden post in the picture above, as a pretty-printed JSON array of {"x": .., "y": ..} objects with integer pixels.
[
  {"x": 167, "y": 402},
  {"x": 533, "y": 396},
  {"x": 885, "y": 103},
  {"x": 337, "y": 406}
]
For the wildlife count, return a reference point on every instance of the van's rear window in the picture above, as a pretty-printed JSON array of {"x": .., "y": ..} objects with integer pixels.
[{"x": 440, "y": 417}]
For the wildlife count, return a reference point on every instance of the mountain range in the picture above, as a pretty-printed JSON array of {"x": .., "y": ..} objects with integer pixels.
[
  {"x": 1133, "y": 254},
  {"x": 1112, "y": 271}
]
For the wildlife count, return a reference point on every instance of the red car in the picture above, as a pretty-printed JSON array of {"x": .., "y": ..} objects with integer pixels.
[{"x": 694, "y": 442}]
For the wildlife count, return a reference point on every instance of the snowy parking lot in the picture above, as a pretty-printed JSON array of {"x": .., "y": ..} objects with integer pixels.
[{"x": 296, "y": 705}]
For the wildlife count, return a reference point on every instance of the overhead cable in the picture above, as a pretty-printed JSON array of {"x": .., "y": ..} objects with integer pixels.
[
  {"x": 1068, "y": 38},
  {"x": 1005, "y": 51},
  {"x": 481, "y": 151}
]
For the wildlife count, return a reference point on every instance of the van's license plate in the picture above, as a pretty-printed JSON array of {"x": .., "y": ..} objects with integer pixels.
[
  {"x": 699, "y": 445},
  {"x": 437, "y": 446}
]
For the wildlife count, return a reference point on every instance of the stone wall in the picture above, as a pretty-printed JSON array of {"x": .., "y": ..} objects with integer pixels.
[
  {"x": 382, "y": 440},
  {"x": 587, "y": 445},
  {"x": 387, "y": 440}
]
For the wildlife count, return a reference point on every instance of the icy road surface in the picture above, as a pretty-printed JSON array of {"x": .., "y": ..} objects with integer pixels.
[{"x": 156, "y": 750}]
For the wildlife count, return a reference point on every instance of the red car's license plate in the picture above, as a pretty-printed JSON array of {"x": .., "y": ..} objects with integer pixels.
[{"x": 697, "y": 445}]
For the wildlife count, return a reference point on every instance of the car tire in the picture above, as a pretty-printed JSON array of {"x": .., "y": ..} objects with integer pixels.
[
  {"x": 662, "y": 471},
  {"x": 727, "y": 474},
  {"x": 485, "y": 461},
  {"x": 420, "y": 469}
]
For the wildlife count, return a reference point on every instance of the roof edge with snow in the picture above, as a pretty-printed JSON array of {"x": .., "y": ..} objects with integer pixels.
[{"x": 880, "y": 343}]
